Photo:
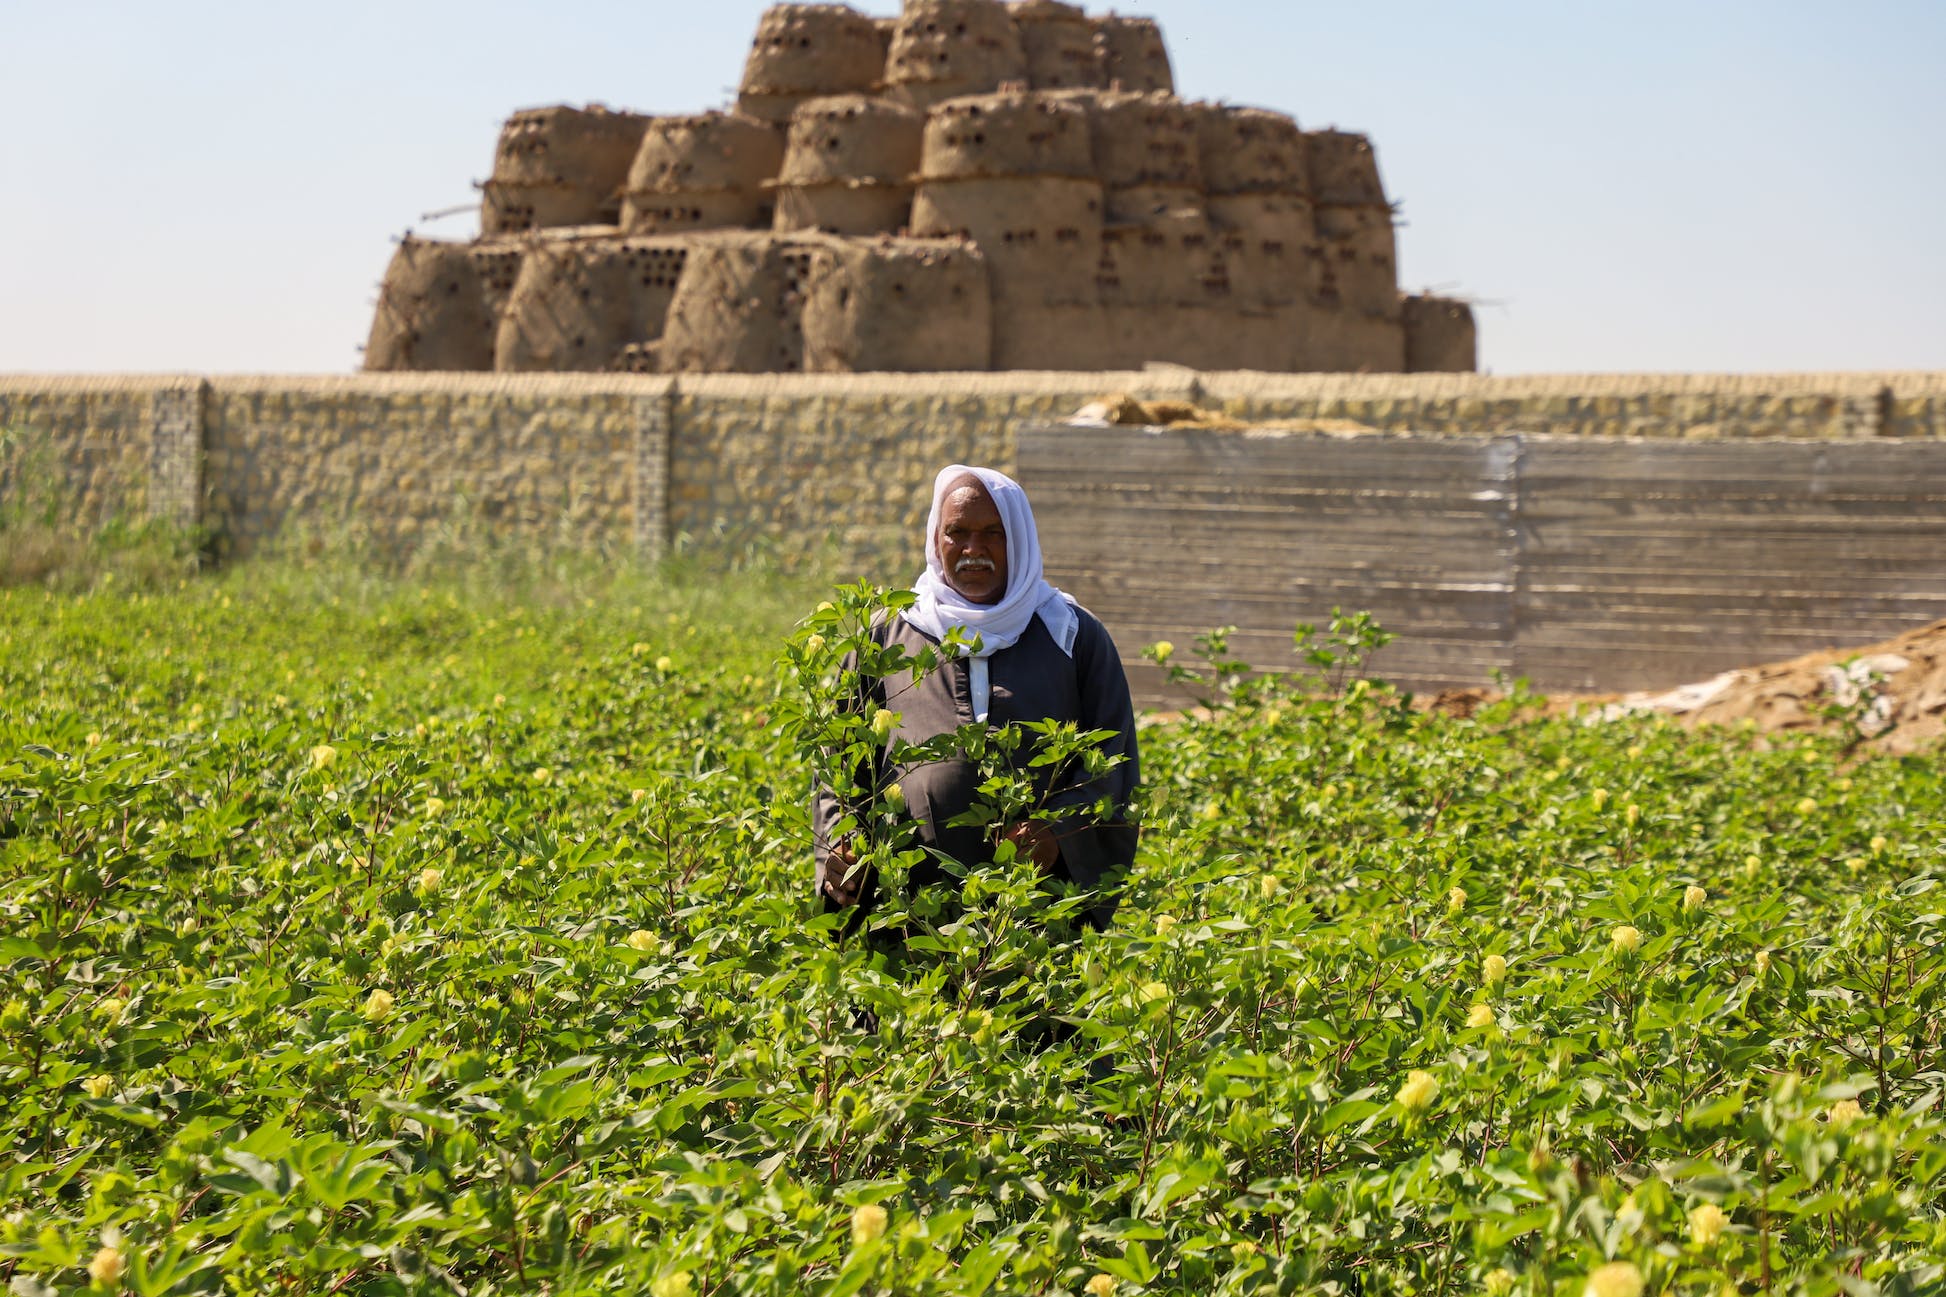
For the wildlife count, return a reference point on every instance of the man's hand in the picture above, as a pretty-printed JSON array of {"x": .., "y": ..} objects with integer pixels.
[
  {"x": 1034, "y": 839},
  {"x": 837, "y": 864}
]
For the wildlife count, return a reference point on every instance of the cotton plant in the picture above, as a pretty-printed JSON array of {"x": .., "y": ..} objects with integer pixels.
[{"x": 1392, "y": 1002}]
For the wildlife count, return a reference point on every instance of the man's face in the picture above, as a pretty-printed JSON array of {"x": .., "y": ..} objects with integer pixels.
[{"x": 972, "y": 543}]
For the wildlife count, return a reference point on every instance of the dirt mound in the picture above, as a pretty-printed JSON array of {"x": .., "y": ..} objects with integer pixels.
[
  {"x": 1119, "y": 409},
  {"x": 1892, "y": 694}
]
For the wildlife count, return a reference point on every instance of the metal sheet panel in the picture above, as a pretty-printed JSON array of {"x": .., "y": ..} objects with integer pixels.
[
  {"x": 1651, "y": 563},
  {"x": 1166, "y": 534},
  {"x": 1581, "y": 564}
]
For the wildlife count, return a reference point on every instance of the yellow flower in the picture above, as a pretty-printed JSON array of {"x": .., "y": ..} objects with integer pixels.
[
  {"x": 542, "y": 775},
  {"x": 665, "y": 664},
  {"x": 1625, "y": 938},
  {"x": 1844, "y": 1113},
  {"x": 1268, "y": 885},
  {"x": 884, "y": 722},
  {"x": 111, "y": 1011},
  {"x": 94, "y": 738},
  {"x": 644, "y": 940},
  {"x": 378, "y": 1006},
  {"x": 813, "y": 645},
  {"x": 1480, "y": 1015},
  {"x": 1751, "y": 864},
  {"x": 1843, "y": 785},
  {"x": 1456, "y": 900},
  {"x": 1164, "y": 922},
  {"x": 635, "y": 795},
  {"x": 322, "y": 756},
  {"x": 1102, "y": 1285},
  {"x": 1499, "y": 1283},
  {"x": 429, "y": 879},
  {"x": 1856, "y": 864},
  {"x": 1419, "y": 1091},
  {"x": 867, "y": 1223},
  {"x": 108, "y": 1267},
  {"x": 1616, "y": 1279},
  {"x": 1631, "y": 813},
  {"x": 1807, "y": 806},
  {"x": 1879, "y": 844},
  {"x": 1600, "y": 797},
  {"x": 1706, "y": 1224},
  {"x": 1493, "y": 971},
  {"x": 1762, "y": 962},
  {"x": 1162, "y": 650},
  {"x": 1693, "y": 897},
  {"x": 98, "y": 1087},
  {"x": 435, "y": 807},
  {"x": 674, "y": 1284},
  {"x": 1153, "y": 993}
]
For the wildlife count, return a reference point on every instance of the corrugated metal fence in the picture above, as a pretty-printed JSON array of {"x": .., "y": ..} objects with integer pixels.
[{"x": 1580, "y": 564}]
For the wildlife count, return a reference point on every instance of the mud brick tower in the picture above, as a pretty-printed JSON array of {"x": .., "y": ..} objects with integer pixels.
[{"x": 972, "y": 185}]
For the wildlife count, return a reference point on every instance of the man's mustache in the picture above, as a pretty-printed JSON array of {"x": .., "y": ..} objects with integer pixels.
[{"x": 973, "y": 565}]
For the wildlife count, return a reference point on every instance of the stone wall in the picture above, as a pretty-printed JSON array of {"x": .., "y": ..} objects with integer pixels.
[
  {"x": 90, "y": 451},
  {"x": 398, "y": 461},
  {"x": 639, "y": 460},
  {"x": 1915, "y": 406},
  {"x": 797, "y": 460}
]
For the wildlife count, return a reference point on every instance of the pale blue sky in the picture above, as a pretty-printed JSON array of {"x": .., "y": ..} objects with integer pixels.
[{"x": 1703, "y": 185}]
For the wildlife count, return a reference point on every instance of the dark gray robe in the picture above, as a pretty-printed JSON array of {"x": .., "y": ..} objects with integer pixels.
[{"x": 1033, "y": 680}]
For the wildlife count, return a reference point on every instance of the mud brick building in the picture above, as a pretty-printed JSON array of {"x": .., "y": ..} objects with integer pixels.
[{"x": 973, "y": 185}]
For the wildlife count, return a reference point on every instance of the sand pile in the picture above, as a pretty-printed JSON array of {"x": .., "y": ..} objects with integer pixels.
[
  {"x": 1119, "y": 409},
  {"x": 1893, "y": 694}
]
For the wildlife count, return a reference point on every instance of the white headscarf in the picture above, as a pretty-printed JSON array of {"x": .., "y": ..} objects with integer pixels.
[{"x": 940, "y": 608}]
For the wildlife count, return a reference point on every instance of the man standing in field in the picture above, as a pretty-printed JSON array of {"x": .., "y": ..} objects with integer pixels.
[{"x": 1040, "y": 657}]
